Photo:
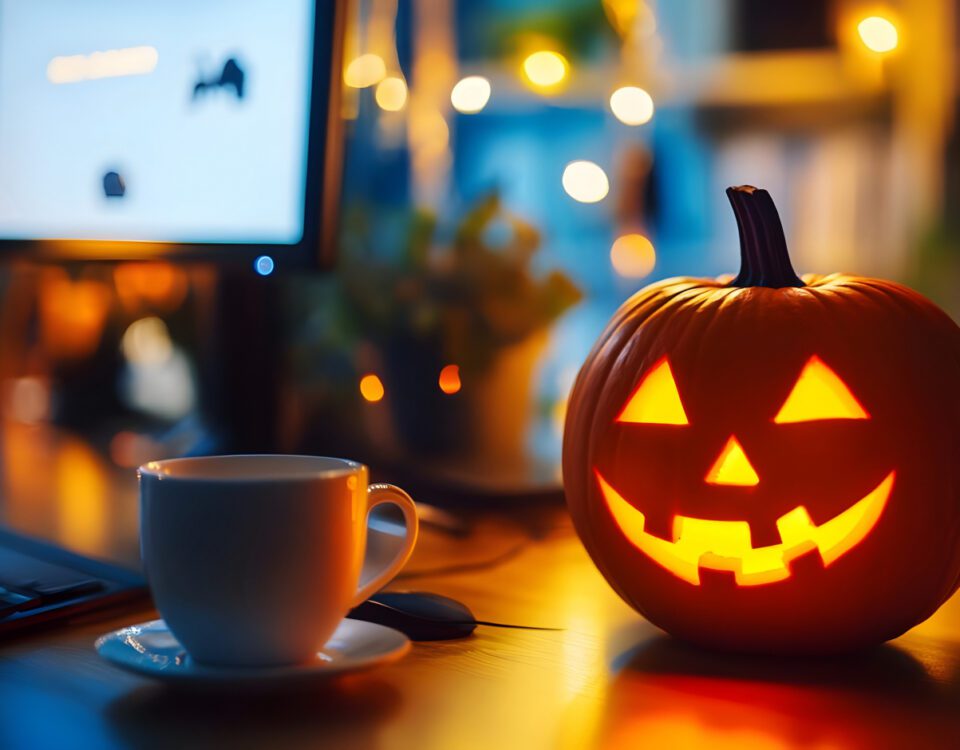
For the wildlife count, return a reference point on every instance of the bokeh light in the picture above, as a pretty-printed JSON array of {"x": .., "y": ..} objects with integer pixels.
[
  {"x": 878, "y": 34},
  {"x": 585, "y": 182},
  {"x": 371, "y": 388},
  {"x": 147, "y": 342},
  {"x": 130, "y": 449},
  {"x": 429, "y": 133},
  {"x": 545, "y": 70},
  {"x": 264, "y": 265},
  {"x": 470, "y": 95},
  {"x": 150, "y": 284},
  {"x": 364, "y": 71},
  {"x": 391, "y": 94},
  {"x": 28, "y": 399},
  {"x": 631, "y": 105},
  {"x": 633, "y": 256},
  {"x": 449, "y": 380}
]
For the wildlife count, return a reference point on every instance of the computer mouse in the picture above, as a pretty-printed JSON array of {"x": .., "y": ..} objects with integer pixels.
[{"x": 419, "y": 615}]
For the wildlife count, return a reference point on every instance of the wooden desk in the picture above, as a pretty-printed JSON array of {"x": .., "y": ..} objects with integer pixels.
[{"x": 606, "y": 680}]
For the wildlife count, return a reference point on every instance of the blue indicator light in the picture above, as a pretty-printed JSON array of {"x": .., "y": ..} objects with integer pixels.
[{"x": 263, "y": 265}]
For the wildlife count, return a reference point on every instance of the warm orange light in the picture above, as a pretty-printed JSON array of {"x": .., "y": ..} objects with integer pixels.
[
  {"x": 429, "y": 133},
  {"x": 161, "y": 285},
  {"x": 878, "y": 34},
  {"x": 725, "y": 545},
  {"x": 371, "y": 388},
  {"x": 656, "y": 400},
  {"x": 819, "y": 393},
  {"x": 72, "y": 314},
  {"x": 391, "y": 94},
  {"x": 450, "y": 379},
  {"x": 633, "y": 256},
  {"x": 366, "y": 70},
  {"x": 131, "y": 449},
  {"x": 545, "y": 70},
  {"x": 28, "y": 399},
  {"x": 732, "y": 467}
]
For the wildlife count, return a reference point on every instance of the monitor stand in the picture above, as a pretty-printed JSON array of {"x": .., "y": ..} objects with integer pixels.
[{"x": 243, "y": 366}]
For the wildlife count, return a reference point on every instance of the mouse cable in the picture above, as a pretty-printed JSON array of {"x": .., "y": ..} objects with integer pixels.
[{"x": 516, "y": 627}]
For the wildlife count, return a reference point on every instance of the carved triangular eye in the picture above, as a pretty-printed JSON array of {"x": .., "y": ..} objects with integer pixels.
[
  {"x": 656, "y": 400},
  {"x": 819, "y": 393}
]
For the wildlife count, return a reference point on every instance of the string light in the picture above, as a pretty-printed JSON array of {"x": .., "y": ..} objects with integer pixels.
[
  {"x": 631, "y": 105},
  {"x": 449, "y": 380},
  {"x": 365, "y": 71},
  {"x": 391, "y": 94},
  {"x": 470, "y": 95},
  {"x": 545, "y": 70},
  {"x": 371, "y": 388},
  {"x": 585, "y": 182},
  {"x": 633, "y": 256}
]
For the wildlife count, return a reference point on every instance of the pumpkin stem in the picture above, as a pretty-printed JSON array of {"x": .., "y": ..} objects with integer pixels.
[{"x": 764, "y": 260}]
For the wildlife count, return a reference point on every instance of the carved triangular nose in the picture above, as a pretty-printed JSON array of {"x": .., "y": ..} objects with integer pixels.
[{"x": 732, "y": 467}]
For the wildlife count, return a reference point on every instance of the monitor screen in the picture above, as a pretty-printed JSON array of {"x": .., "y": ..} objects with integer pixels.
[{"x": 178, "y": 122}]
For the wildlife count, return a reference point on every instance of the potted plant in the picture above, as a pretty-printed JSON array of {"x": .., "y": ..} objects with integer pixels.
[{"x": 473, "y": 305}]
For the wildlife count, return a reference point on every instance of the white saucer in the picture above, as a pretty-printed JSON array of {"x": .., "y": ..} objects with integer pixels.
[{"x": 150, "y": 649}]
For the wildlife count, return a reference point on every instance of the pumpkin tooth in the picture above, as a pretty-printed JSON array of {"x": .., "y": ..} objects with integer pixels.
[
  {"x": 763, "y": 533},
  {"x": 660, "y": 525},
  {"x": 809, "y": 560},
  {"x": 717, "y": 577}
]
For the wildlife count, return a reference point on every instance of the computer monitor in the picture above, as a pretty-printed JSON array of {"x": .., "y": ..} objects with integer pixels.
[{"x": 170, "y": 129}]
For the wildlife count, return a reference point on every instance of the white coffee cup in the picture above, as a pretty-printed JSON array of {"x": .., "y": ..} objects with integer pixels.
[{"x": 255, "y": 560}]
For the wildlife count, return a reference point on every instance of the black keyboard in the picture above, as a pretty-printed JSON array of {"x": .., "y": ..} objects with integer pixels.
[{"x": 41, "y": 583}]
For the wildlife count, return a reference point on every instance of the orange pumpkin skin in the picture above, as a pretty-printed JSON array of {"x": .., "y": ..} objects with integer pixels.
[{"x": 735, "y": 353}]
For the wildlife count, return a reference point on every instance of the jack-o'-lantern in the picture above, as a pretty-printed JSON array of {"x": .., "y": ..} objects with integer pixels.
[{"x": 771, "y": 464}]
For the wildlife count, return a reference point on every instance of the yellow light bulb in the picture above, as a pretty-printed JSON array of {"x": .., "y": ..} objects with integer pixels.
[{"x": 545, "y": 70}]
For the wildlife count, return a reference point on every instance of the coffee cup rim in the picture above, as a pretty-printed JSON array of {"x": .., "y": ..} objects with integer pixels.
[{"x": 161, "y": 469}]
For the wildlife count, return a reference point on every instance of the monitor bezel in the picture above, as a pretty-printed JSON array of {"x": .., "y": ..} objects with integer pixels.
[{"x": 316, "y": 248}]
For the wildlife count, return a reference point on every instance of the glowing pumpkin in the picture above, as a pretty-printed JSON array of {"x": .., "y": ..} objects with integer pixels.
[{"x": 771, "y": 464}]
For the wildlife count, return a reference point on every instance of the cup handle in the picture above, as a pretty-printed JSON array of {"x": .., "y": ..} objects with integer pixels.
[{"x": 379, "y": 568}]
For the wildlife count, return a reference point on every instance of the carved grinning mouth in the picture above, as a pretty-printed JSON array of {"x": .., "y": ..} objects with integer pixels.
[{"x": 725, "y": 545}]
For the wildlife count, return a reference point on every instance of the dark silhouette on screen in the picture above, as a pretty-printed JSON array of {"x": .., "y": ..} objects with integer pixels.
[
  {"x": 231, "y": 77},
  {"x": 114, "y": 185}
]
